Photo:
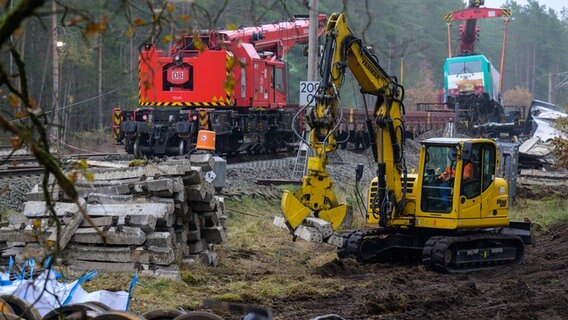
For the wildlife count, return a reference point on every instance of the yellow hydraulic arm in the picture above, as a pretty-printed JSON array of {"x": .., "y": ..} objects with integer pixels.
[{"x": 342, "y": 49}]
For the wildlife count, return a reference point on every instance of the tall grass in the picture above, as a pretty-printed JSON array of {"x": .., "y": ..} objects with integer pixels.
[{"x": 544, "y": 213}]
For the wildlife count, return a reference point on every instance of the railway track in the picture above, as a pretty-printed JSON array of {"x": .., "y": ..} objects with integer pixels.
[
  {"x": 17, "y": 160},
  {"x": 20, "y": 172},
  {"x": 262, "y": 161},
  {"x": 27, "y": 166}
]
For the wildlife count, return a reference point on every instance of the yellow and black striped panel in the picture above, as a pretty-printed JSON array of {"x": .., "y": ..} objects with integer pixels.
[
  {"x": 116, "y": 132},
  {"x": 203, "y": 119},
  {"x": 229, "y": 76},
  {"x": 185, "y": 104},
  {"x": 504, "y": 13},
  {"x": 116, "y": 121},
  {"x": 117, "y": 117}
]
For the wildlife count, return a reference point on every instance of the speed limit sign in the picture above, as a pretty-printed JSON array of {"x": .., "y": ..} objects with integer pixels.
[{"x": 307, "y": 91}]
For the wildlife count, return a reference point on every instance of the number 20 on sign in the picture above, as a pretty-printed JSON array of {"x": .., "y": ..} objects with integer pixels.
[{"x": 307, "y": 91}]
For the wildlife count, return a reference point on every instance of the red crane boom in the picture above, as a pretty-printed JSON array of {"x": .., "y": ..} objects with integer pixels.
[{"x": 469, "y": 31}]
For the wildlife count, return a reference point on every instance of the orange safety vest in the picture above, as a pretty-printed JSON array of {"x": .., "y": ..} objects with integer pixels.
[
  {"x": 468, "y": 171},
  {"x": 451, "y": 172}
]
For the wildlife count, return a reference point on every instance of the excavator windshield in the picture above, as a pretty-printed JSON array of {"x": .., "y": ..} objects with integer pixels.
[{"x": 439, "y": 174}]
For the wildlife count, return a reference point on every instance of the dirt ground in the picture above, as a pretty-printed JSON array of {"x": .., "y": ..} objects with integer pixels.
[{"x": 537, "y": 288}]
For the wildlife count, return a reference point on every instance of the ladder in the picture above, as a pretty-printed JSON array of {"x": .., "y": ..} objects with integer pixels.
[
  {"x": 301, "y": 163},
  {"x": 449, "y": 130}
]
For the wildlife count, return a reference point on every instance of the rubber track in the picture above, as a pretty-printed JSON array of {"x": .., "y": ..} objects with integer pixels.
[
  {"x": 434, "y": 254},
  {"x": 352, "y": 243}
]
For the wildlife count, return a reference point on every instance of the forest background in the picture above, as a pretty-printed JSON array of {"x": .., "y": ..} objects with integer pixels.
[{"x": 98, "y": 62}]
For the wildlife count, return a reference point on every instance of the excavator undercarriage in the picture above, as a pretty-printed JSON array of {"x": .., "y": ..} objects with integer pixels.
[{"x": 456, "y": 252}]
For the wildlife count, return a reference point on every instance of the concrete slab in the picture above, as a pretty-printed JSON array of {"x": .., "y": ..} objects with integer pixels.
[
  {"x": 193, "y": 177},
  {"x": 197, "y": 246},
  {"x": 142, "y": 269},
  {"x": 101, "y": 198},
  {"x": 164, "y": 212},
  {"x": 25, "y": 235},
  {"x": 36, "y": 194},
  {"x": 161, "y": 186},
  {"x": 308, "y": 233},
  {"x": 209, "y": 219},
  {"x": 38, "y": 209},
  {"x": 60, "y": 238},
  {"x": 115, "y": 235},
  {"x": 199, "y": 207},
  {"x": 323, "y": 226},
  {"x": 177, "y": 168},
  {"x": 302, "y": 231},
  {"x": 145, "y": 222},
  {"x": 207, "y": 258},
  {"x": 194, "y": 235},
  {"x": 194, "y": 222},
  {"x": 182, "y": 250},
  {"x": 203, "y": 160},
  {"x": 151, "y": 254},
  {"x": 203, "y": 192},
  {"x": 214, "y": 235},
  {"x": 159, "y": 239},
  {"x": 181, "y": 209}
]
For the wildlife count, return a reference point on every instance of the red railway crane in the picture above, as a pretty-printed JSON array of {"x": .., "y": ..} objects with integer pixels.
[{"x": 232, "y": 82}]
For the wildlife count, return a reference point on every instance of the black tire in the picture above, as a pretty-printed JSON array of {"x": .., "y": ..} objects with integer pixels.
[
  {"x": 199, "y": 315},
  {"x": 21, "y": 307},
  {"x": 162, "y": 314}
]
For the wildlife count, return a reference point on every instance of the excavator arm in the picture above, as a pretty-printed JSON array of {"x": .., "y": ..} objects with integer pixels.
[{"x": 343, "y": 50}]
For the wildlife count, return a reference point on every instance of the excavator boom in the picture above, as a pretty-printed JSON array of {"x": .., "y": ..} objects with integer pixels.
[{"x": 343, "y": 50}]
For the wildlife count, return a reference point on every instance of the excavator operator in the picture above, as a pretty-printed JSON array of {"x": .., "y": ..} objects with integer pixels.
[{"x": 450, "y": 172}]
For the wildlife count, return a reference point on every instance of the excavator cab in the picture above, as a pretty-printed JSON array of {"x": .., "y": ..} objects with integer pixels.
[
  {"x": 459, "y": 186},
  {"x": 455, "y": 187}
]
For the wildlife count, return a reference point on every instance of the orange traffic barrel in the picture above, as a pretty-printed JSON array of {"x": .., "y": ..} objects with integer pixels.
[{"x": 205, "y": 140}]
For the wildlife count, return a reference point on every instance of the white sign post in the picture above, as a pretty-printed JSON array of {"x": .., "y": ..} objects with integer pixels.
[{"x": 307, "y": 91}]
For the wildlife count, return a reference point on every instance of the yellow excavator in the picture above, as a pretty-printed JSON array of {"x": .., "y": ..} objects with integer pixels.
[{"x": 453, "y": 213}]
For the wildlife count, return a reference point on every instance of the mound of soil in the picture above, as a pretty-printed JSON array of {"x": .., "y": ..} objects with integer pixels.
[{"x": 534, "y": 289}]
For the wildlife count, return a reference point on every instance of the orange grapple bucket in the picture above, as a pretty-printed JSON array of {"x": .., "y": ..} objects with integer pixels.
[{"x": 205, "y": 140}]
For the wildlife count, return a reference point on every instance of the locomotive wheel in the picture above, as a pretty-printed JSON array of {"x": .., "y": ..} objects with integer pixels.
[
  {"x": 182, "y": 149},
  {"x": 136, "y": 149}
]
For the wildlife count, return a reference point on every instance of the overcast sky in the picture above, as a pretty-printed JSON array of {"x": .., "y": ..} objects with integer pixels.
[{"x": 554, "y": 4}]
